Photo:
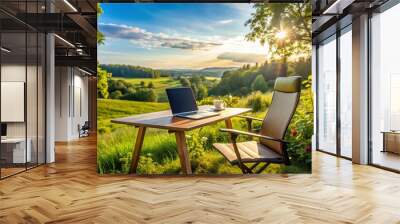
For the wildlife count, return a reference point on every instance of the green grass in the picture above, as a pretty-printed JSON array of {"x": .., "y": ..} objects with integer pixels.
[
  {"x": 160, "y": 84},
  {"x": 213, "y": 78},
  {"x": 108, "y": 109},
  {"x": 159, "y": 154}
]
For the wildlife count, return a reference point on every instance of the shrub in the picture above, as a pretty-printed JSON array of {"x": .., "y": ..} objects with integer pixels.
[
  {"x": 301, "y": 129},
  {"x": 147, "y": 95},
  {"x": 184, "y": 81},
  {"x": 258, "y": 101},
  {"x": 202, "y": 92},
  {"x": 102, "y": 84},
  {"x": 116, "y": 94},
  {"x": 259, "y": 84}
]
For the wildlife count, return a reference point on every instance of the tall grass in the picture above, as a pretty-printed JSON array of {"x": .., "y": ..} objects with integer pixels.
[{"x": 159, "y": 153}]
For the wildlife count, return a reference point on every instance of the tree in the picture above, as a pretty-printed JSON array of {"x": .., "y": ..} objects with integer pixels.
[
  {"x": 259, "y": 84},
  {"x": 142, "y": 84},
  {"x": 150, "y": 85},
  {"x": 285, "y": 27},
  {"x": 184, "y": 82},
  {"x": 116, "y": 94},
  {"x": 102, "y": 84},
  {"x": 100, "y": 35},
  {"x": 202, "y": 92},
  {"x": 147, "y": 95},
  {"x": 102, "y": 75}
]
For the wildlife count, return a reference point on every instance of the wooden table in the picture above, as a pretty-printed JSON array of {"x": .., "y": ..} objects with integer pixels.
[{"x": 177, "y": 125}]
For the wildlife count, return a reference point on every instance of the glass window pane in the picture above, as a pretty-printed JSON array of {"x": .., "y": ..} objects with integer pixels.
[
  {"x": 31, "y": 97},
  {"x": 346, "y": 94},
  {"x": 14, "y": 153},
  {"x": 385, "y": 83},
  {"x": 327, "y": 96},
  {"x": 41, "y": 99}
]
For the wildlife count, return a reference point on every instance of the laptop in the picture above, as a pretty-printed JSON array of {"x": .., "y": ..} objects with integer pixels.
[{"x": 183, "y": 104}]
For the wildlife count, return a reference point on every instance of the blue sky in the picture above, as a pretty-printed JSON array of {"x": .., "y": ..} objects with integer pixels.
[{"x": 177, "y": 35}]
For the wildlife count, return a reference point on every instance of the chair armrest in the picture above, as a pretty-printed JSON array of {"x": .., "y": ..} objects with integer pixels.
[
  {"x": 249, "y": 121},
  {"x": 250, "y": 118},
  {"x": 237, "y": 132}
]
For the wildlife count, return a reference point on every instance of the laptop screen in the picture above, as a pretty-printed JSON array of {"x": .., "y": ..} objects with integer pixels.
[{"x": 181, "y": 100}]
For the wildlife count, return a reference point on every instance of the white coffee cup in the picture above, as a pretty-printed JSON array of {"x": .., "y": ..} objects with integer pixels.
[{"x": 219, "y": 104}]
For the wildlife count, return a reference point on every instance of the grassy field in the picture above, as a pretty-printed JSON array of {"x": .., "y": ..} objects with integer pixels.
[
  {"x": 109, "y": 109},
  {"x": 159, "y": 155},
  {"x": 160, "y": 84}
]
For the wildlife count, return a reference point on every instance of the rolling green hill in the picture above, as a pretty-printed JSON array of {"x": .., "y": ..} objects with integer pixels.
[{"x": 109, "y": 109}]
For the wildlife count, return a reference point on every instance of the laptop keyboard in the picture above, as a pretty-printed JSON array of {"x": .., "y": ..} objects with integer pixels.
[{"x": 205, "y": 113}]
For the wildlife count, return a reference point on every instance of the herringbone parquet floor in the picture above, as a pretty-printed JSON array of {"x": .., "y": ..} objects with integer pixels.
[{"x": 70, "y": 191}]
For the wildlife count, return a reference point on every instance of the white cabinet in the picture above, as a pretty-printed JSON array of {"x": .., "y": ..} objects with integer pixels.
[{"x": 17, "y": 147}]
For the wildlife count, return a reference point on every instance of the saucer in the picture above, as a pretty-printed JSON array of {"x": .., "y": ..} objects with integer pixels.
[{"x": 215, "y": 109}]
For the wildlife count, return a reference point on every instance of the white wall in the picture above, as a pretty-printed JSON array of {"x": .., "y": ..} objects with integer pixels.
[
  {"x": 33, "y": 126},
  {"x": 71, "y": 87},
  {"x": 14, "y": 73}
]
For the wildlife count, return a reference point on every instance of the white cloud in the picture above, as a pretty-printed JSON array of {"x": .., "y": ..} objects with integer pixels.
[
  {"x": 242, "y": 57},
  {"x": 225, "y": 21},
  {"x": 147, "y": 39}
]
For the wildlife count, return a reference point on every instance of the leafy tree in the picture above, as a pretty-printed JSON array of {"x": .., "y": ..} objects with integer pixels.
[
  {"x": 259, "y": 84},
  {"x": 202, "y": 92},
  {"x": 150, "y": 85},
  {"x": 195, "y": 80},
  {"x": 184, "y": 81},
  {"x": 236, "y": 83},
  {"x": 131, "y": 71},
  {"x": 102, "y": 75},
  {"x": 100, "y": 35},
  {"x": 120, "y": 85},
  {"x": 116, "y": 94},
  {"x": 142, "y": 84},
  {"x": 102, "y": 84},
  {"x": 302, "y": 67},
  {"x": 147, "y": 95},
  {"x": 285, "y": 27}
]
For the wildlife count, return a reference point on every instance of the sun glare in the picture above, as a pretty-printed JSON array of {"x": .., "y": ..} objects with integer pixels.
[{"x": 281, "y": 34}]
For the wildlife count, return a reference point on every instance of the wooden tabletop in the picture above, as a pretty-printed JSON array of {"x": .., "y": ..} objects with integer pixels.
[{"x": 165, "y": 120}]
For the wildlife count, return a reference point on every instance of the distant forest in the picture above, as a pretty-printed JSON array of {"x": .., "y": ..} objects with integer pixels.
[
  {"x": 244, "y": 81},
  {"x": 130, "y": 71},
  {"x": 239, "y": 82}
]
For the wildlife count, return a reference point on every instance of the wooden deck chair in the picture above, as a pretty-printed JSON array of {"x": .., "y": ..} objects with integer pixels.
[{"x": 270, "y": 147}]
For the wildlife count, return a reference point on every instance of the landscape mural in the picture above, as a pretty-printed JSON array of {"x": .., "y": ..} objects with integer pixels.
[{"x": 232, "y": 52}]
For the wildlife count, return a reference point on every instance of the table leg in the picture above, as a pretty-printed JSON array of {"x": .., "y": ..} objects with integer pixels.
[
  {"x": 137, "y": 149},
  {"x": 228, "y": 124},
  {"x": 183, "y": 152}
]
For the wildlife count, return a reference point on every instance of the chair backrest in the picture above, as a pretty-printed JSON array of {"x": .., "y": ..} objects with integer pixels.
[{"x": 283, "y": 106}]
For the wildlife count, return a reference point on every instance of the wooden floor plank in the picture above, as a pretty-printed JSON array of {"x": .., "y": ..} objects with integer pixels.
[{"x": 70, "y": 191}]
